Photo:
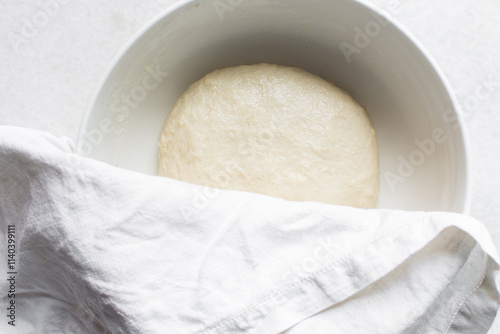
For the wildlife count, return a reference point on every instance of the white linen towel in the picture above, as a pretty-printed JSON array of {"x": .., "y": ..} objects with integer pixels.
[{"x": 99, "y": 249}]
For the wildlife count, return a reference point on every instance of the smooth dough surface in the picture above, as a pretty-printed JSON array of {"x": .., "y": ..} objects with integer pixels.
[{"x": 274, "y": 130}]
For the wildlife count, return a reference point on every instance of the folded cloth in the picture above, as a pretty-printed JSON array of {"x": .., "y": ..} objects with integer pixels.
[{"x": 92, "y": 248}]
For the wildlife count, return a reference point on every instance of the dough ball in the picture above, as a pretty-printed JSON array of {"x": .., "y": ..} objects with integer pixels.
[{"x": 274, "y": 130}]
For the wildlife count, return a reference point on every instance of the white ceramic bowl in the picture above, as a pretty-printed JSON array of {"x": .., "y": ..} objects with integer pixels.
[{"x": 423, "y": 147}]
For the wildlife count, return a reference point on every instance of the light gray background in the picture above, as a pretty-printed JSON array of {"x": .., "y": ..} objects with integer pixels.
[{"x": 48, "y": 79}]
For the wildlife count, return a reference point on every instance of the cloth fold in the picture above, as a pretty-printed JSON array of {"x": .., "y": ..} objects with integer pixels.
[{"x": 99, "y": 249}]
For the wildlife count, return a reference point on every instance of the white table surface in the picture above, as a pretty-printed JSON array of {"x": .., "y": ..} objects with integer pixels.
[{"x": 48, "y": 78}]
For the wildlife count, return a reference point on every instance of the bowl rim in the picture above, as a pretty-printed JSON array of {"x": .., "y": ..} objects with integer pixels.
[{"x": 464, "y": 135}]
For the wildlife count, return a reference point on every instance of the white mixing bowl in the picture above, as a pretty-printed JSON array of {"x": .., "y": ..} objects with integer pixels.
[{"x": 423, "y": 148}]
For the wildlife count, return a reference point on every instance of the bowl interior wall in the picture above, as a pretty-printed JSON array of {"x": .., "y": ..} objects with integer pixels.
[{"x": 403, "y": 95}]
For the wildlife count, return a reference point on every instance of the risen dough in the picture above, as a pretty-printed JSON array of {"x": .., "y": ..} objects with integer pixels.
[{"x": 274, "y": 130}]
